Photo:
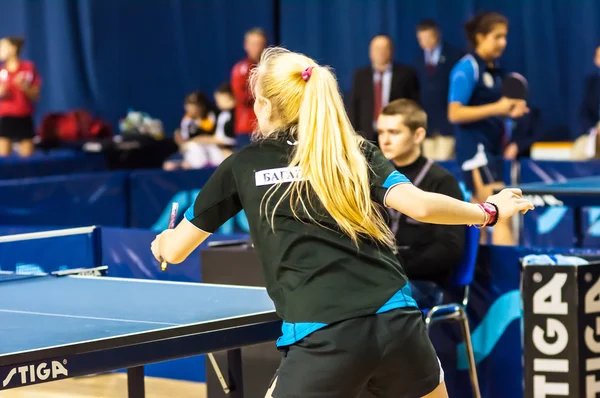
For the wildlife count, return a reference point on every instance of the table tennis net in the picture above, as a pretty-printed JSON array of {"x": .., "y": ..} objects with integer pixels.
[
  {"x": 8, "y": 276},
  {"x": 37, "y": 254}
]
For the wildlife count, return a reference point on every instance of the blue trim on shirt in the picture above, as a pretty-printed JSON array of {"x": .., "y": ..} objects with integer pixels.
[
  {"x": 394, "y": 178},
  {"x": 189, "y": 213},
  {"x": 402, "y": 299},
  {"x": 462, "y": 80},
  {"x": 294, "y": 332}
]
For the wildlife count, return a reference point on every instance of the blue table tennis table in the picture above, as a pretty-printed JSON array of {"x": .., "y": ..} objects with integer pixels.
[
  {"x": 575, "y": 192},
  {"x": 54, "y": 327}
]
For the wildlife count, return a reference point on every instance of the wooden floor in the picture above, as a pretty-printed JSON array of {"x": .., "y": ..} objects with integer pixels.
[{"x": 107, "y": 386}]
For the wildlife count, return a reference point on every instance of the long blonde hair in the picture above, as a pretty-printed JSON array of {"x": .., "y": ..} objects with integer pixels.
[{"x": 328, "y": 151}]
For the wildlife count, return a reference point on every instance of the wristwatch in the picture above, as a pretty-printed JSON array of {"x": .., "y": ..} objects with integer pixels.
[{"x": 492, "y": 210}]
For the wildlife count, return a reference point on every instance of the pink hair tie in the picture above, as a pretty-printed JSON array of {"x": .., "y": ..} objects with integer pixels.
[{"x": 307, "y": 73}]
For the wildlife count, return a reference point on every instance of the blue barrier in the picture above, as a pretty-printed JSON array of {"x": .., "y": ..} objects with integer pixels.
[
  {"x": 79, "y": 199},
  {"x": 55, "y": 162},
  {"x": 142, "y": 199},
  {"x": 153, "y": 191},
  {"x": 546, "y": 226}
]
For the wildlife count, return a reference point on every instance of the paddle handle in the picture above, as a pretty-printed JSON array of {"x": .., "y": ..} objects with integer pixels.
[{"x": 172, "y": 218}]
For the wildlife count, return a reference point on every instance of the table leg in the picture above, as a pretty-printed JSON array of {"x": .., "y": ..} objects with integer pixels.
[
  {"x": 236, "y": 381},
  {"x": 135, "y": 382},
  {"x": 578, "y": 224}
]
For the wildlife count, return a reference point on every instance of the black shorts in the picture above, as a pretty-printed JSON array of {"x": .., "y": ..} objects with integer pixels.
[
  {"x": 389, "y": 354},
  {"x": 492, "y": 172},
  {"x": 17, "y": 128}
]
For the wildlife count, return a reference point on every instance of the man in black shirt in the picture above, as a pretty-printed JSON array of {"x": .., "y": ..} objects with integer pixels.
[
  {"x": 312, "y": 190},
  {"x": 429, "y": 253}
]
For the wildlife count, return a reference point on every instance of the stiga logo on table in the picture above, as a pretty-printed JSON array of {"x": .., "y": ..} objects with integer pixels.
[{"x": 29, "y": 374}]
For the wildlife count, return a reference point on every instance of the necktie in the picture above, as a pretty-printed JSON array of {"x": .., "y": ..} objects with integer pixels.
[
  {"x": 377, "y": 90},
  {"x": 429, "y": 64},
  {"x": 430, "y": 68}
]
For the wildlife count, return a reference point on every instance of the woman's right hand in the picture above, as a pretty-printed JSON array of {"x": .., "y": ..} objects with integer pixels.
[
  {"x": 519, "y": 109},
  {"x": 504, "y": 106},
  {"x": 515, "y": 108},
  {"x": 510, "y": 201}
]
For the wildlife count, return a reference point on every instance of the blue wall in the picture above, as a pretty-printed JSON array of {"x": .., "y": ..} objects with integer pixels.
[{"x": 110, "y": 55}]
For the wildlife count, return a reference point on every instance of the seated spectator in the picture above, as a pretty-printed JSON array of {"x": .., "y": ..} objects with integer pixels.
[
  {"x": 522, "y": 133},
  {"x": 19, "y": 90},
  {"x": 428, "y": 253},
  {"x": 224, "y": 130},
  {"x": 196, "y": 136},
  {"x": 587, "y": 146}
]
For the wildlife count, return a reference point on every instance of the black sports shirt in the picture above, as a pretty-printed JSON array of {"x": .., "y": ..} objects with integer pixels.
[{"x": 315, "y": 276}]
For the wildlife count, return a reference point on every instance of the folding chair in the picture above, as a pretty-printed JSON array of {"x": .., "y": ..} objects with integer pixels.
[{"x": 457, "y": 312}]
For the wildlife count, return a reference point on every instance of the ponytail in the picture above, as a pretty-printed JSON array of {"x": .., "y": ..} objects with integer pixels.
[{"x": 328, "y": 152}]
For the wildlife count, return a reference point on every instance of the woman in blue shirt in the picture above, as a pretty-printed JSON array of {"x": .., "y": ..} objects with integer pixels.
[{"x": 477, "y": 109}]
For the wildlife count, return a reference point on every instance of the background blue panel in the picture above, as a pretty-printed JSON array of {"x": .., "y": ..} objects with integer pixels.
[
  {"x": 554, "y": 226},
  {"x": 550, "y": 42},
  {"x": 591, "y": 226},
  {"x": 127, "y": 253},
  {"x": 153, "y": 191},
  {"x": 52, "y": 163},
  {"x": 72, "y": 200},
  {"x": 107, "y": 56}
]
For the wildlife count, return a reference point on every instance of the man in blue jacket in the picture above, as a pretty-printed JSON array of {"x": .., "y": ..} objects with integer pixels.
[{"x": 433, "y": 66}]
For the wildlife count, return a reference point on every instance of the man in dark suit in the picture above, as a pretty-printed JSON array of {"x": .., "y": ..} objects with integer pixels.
[
  {"x": 433, "y": 66},
  {"x": 375, "y": 86}
]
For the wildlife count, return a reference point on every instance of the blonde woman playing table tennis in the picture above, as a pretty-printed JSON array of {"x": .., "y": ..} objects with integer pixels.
[{"x": 312, "y": 190}]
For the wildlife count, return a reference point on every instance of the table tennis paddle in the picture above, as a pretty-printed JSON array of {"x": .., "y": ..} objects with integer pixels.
[
  {"x": 515, "y": 86},
  {"x": 172, "y": 219}
]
